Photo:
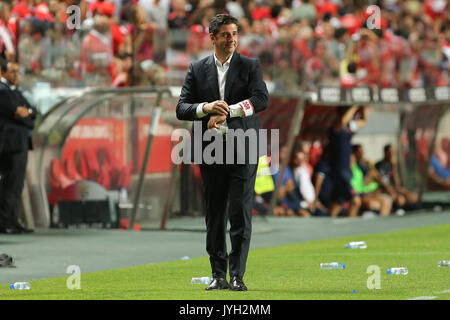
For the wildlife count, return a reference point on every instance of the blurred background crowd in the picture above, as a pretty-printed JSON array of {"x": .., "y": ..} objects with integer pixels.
[{"x": 79, "y": 43}]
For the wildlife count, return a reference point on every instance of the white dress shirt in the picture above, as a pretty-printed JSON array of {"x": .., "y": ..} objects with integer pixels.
[
  {"x": 12, "y": 87},
  {"x": 236, "y": 110},
  {"x": 307, "y": 191}
]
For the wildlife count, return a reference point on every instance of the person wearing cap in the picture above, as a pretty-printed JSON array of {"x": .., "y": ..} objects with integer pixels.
[
  {"x": 97, "y": 53},
  {"x": 107, "y": 9}
]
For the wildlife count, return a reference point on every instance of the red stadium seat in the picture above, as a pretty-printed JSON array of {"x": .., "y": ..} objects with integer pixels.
[
  {"x": 58, "y": 179},
  {"x": 125, "y": 176},
  {"x": 118, "y": 175},
  {"x": 92, "y": 164},
  {"x": 71, "y": 169},
  {"x": 81, "y": 164},
  {"x": 104, "y": 178}
]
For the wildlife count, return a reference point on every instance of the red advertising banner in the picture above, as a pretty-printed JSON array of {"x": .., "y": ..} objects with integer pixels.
[{"x": 160, "y": 154}]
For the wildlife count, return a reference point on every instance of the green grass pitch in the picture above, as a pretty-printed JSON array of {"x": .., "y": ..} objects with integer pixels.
[{"x": 287, "y": 272}]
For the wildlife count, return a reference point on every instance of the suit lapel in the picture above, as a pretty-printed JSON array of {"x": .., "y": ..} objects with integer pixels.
[
  {"x": 232, "y": 73},
  {"x": 211, "y": 74}
]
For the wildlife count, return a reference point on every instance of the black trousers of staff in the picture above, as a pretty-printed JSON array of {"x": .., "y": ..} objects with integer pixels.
[
  {"x": 229, "y": 194},
  {"x": 12, "y": 171}
]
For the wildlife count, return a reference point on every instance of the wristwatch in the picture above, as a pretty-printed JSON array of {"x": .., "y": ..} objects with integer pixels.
[{"x": 30, "y": 111}]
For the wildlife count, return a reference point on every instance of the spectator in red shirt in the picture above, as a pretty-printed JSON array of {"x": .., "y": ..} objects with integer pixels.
[
  {"x": 107, "y": 8},
  {"x": 178, "y": 18},
  {"x": 21, "y": 10},
  {"x": 92, "y": 7},
  {"x": 6, "y": 38},
  {"x": 321, "y": 68},
  {"x": 368, "y": 52},
  {"x": 124, "y": 71},
  {"x": 302, "y": 47},
  {"x": 325, "y": 6},
  {"x": 96, "y": 54},
  {"x": 42, "y": 12},
  {"x": 142, "y": 33},
  {"x": 198, "y": 41}
]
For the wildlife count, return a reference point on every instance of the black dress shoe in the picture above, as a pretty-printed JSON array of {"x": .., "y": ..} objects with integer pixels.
[
  {"x": 21, "y": 228},
  {"x": 218, "y": 284},
  {"x": 10, "y": 230},
  {"x": 236, "y": 284}
]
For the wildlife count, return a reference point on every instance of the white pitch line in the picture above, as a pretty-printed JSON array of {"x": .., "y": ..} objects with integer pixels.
[
  {"x": 365, "y": 252},
  {"x": 423, "y": 298},
  {"x": 443, "y": 292},
  {"x": 430, "y": 297}
]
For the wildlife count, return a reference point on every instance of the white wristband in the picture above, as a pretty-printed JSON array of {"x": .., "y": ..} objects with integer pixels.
[{"x": 247, "y": 107}]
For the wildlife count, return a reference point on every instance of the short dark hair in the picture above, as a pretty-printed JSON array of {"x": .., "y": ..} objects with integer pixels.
[
  {"x": 3, "y": 65},
  {"x": 352, "y": 67},
  {"x": 356, "y": 147},
  {"x": 220, "y": 20},
  {"x": 342, "y": 110},
  {"x": 339, "y": 32},
  {"x": 386, "y": 147},
  {"x": 299, "y": 145}
]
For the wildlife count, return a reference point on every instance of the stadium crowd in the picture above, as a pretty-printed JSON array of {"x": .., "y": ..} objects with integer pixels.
[
  {"x": 336, "y": 180},
  {"x": 144, "y": 42},
  {"x": 119, "y": 43}
]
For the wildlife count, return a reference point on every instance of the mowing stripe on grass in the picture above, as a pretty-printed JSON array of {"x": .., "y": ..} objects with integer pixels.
[
  {"x": 286, "y": 272},
  {"x": 362, "y": 252}
]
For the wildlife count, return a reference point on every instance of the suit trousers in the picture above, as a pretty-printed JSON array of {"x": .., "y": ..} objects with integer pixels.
[
  {"x": 229, "y": 194},
  {"x": 12, "y": 170}
]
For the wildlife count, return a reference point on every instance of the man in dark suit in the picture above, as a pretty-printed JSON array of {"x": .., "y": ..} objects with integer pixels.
[
  {"x": 16, "y": 124},
  {"x": 225, "y": 91}
]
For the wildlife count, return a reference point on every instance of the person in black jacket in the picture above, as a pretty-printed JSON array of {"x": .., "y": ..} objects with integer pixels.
[
  {"x": 17, "y": 118},
  {"x": 225, "y": 91}
]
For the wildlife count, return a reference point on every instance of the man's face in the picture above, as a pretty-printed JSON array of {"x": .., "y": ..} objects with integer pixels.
[
  {"x": 300, "y": 157},
  {"x": 359, "y": 153},
  {"x": 101, "y": 23},
  {"x": 226, "y": 40},
  {"x": 389, "y": 153},
  {"x": 12, "y": 73}
]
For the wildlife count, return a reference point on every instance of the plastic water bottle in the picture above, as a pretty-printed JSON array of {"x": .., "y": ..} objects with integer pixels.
[
  {"x": 20, "y": 286},
  {"x": 332, "y": 265},
  {"x": 356, "y": 245},
  {"x": 123, "y": 195},
  {"x": 402, "y": 270},
  {"x": 444, "y": 263},
  {"x": 202, "y": 280}
]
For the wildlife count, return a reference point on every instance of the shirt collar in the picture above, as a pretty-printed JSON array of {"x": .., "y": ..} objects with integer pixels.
[
  {"x": 219, "y": 64},
  {"x": 12, "y": 87}
]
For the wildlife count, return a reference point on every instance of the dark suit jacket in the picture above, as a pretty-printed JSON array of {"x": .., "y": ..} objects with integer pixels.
[
  {"x": 15, "y": 134},
  {"x": 244, "y": 81}
]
